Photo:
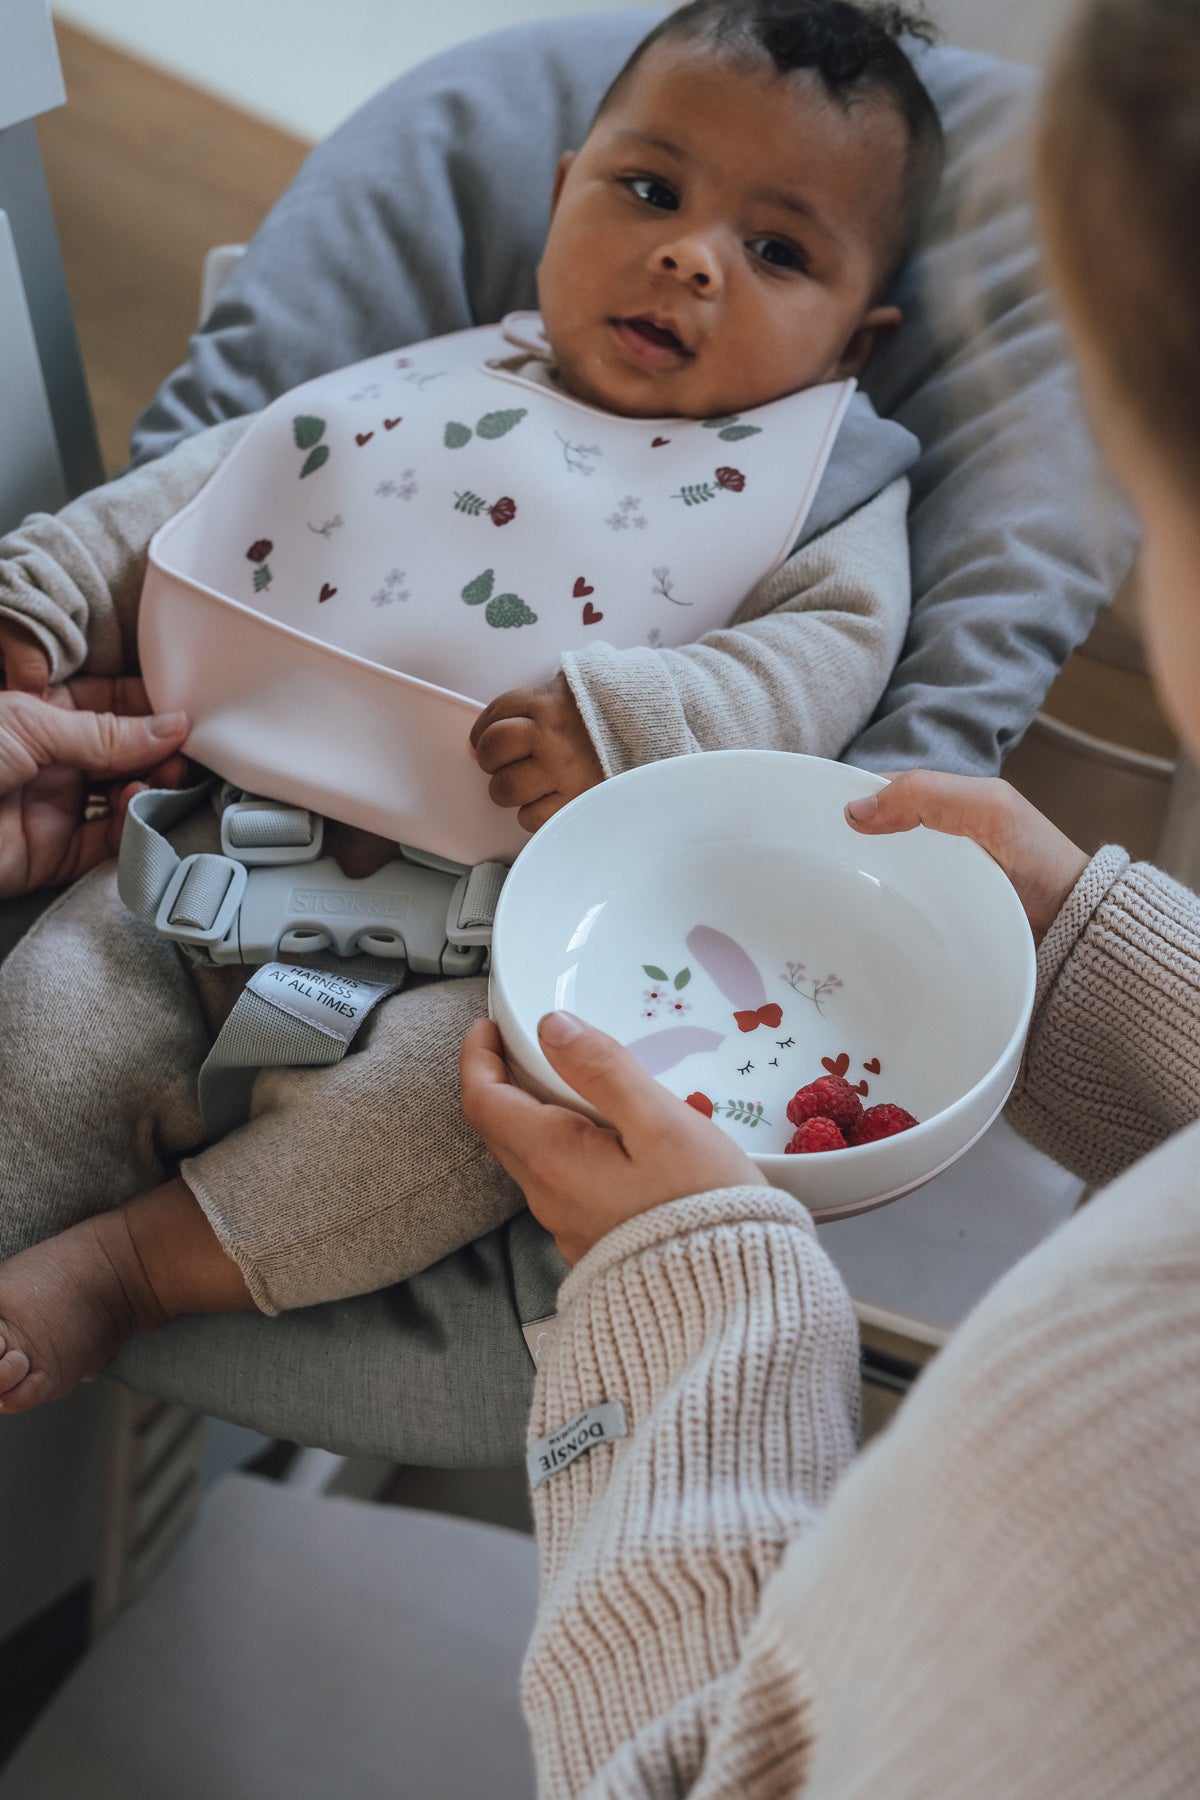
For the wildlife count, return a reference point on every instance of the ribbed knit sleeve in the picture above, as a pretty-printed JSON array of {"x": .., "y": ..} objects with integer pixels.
[
  {"x": 802, "y": 668},
  {"x": 1112, "y": 1064},
  {"x": 1001, "y": 1599},
  {"x": 728, "y": 1337},
  {"x": 74, "y": 578}
]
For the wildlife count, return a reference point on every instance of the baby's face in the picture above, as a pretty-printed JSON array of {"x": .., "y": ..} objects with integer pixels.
[{"x": 716, "y": 242}]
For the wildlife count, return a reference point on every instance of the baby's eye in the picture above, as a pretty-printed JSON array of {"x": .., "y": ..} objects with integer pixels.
[
  {"x": 654, "y": 193},
  {"x": 779, "y": 254}
]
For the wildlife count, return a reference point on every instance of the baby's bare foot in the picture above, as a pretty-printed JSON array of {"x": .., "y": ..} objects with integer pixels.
[{"x": 66, "y": 1307}]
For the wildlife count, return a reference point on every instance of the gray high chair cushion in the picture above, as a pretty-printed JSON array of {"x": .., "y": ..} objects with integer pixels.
[{"x": 425, "y": 213}]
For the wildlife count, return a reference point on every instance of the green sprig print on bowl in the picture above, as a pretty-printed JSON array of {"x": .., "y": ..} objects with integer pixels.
[{"x": 743, "y": 1112}]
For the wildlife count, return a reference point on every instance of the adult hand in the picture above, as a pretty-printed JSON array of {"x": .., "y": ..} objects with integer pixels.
[
  {"x": 1040, "y": 861},
  {"x": 535, "y": 746},
  {"x": 95, "y": 725},
  {"x": 582, "y": 1179}
]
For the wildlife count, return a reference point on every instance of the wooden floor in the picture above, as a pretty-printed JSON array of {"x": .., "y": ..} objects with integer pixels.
[{"x": 146, "y": 174}]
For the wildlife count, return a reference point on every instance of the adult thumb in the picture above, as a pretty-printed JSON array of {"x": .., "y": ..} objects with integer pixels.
[
  {"x": 604, "y": 1074},
  {"x": 106, "y": 743}
]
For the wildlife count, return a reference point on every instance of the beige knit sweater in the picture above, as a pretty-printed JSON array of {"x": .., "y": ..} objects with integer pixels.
[{"x": 1001, "y": 1597}]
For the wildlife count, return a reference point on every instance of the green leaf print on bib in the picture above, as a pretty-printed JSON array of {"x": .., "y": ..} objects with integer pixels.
[
  {"x": 316, "y": 459},
  {"x": 498, "y": 424},
  {"x": 507, "y": 610},
  {"x": 479, "y": 590},
  {"x": 307, "y": 431},
  {"x": 729, "y": 428},
  {"x": 456, "y": 435}
]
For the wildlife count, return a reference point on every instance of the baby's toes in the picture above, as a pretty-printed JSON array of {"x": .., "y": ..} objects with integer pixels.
[{"x": 14, "y": 1367}]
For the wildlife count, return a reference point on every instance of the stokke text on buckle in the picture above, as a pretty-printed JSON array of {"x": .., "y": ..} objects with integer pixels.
[{"x": 270, "y": 893}]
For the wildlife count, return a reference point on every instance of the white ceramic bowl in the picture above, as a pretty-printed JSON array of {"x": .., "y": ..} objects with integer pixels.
[{"x": 672, "y": 899}]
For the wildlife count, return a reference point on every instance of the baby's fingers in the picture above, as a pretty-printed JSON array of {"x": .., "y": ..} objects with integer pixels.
[
  {"x": 26, "y": 665},
  {"x": 513, "y": 704},
  {"x": 507, "y": 741}
]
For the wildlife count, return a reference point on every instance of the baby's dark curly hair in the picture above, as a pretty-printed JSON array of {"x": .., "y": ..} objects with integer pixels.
[{"x": 853, "y": 50}]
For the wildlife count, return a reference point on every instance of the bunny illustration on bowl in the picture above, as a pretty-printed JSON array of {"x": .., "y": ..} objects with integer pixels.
[{"x": 745, "y": 1052}]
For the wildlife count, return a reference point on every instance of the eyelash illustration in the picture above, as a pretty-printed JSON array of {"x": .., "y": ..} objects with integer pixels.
[
  {"x": 745, "y": 1068},
  {"x": 774, "y": 1062},
  {"x": 786, "y": 1043}
]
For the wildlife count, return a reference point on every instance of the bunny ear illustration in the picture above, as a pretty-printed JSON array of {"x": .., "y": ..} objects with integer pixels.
[
  {"x": 661, "y": 1050},
  {"x": 728, "y": 966}
]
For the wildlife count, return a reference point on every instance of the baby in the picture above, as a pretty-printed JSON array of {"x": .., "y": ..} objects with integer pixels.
[{"x": 723, "y": 239}]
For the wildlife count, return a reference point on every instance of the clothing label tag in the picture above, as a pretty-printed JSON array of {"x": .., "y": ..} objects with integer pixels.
[
  {"x": 537, "y": 1336},
  {"x": 334, "y": 1004},
  {"x": 601, "y": 1424}
]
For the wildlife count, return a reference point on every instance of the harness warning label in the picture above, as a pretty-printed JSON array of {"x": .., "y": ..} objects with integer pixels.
[{"x": 334, "y": 1004}]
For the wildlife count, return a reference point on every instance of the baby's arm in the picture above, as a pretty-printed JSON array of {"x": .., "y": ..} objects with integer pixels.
[
  {"x": 802, "y": 669},
  {"x": 70, "y": 582}
]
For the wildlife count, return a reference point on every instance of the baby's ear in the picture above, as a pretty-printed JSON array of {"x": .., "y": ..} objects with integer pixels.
[
  {"x": 560, "y": 175},
  {"x": 875, "y": 329}
]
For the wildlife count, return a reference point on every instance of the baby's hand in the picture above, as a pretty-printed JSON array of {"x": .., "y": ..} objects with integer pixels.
[
  {"x": 534, "y": 745},
  {"x": 23, "y": 663}
]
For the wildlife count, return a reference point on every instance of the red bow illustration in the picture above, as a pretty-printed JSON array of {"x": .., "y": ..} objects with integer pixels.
[{"x": 770, "y": 1014}]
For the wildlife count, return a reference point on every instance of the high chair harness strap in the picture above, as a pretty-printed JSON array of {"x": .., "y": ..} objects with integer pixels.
[
  {"x": 270, "y": 892},
  {"x": 285, "y": 1017}
]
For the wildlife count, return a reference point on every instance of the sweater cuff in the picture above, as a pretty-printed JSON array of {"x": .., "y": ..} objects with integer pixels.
[
  {"x": 1112, "y": 1066},
  {"x": 679, "y": 1219},
  {"x": 1072, "y": 920},
  {"x": 629, "y": 706}
]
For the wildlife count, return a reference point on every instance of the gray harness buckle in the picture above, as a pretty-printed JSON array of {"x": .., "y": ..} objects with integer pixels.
[
  {"x": 270, "y": 895},
  {"x": 193, "y": 909},
  {"x": 261, "y": 833}
]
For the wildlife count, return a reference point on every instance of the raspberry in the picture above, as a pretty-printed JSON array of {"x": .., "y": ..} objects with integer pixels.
[
  {"x": 882, "y": 1121},
  {"x": 815, "y": 1134},
  {"x": 828, "y": 1097}
]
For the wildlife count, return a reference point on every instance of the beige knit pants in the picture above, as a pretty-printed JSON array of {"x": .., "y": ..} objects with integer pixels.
[{"x": 343, "y": 1180}]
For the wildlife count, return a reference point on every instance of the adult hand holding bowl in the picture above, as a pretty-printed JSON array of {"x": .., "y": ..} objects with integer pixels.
[{"x": 719, "y": 916}]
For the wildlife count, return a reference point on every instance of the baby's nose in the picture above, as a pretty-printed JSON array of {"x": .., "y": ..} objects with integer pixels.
[{"x": 692, "y": 260}]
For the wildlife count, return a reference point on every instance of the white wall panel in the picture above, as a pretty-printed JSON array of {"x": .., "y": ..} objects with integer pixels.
[{"x": 305, "y": 64}]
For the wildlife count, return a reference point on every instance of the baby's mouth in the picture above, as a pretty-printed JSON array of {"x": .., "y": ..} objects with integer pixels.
[{"x": 652, "y": 342}]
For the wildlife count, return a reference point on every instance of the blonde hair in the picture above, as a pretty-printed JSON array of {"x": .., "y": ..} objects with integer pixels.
[{"x": 1119, "y": 176}]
